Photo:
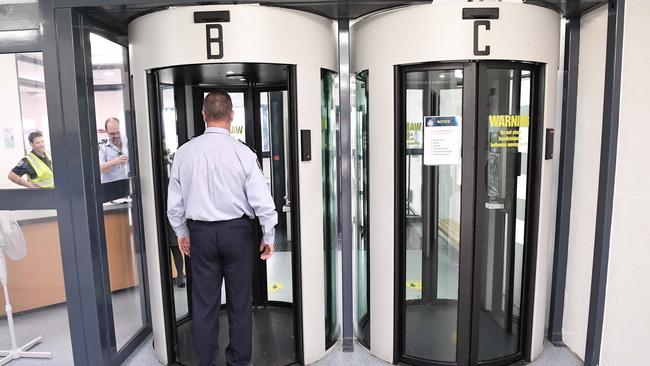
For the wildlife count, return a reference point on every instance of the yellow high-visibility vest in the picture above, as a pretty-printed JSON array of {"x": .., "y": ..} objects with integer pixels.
[{"x": 44, "y": 175}]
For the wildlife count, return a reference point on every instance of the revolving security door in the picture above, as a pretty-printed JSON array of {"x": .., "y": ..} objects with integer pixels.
[
  {"x": 467, "y": 154},
  {"x": 263, "y": 119}
]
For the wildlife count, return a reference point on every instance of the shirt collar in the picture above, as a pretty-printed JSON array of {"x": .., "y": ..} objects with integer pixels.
[
  {"x": 219, "y": 130},
  {"x": 37, "y": 154},
  {"x": 110, "y": 144}
]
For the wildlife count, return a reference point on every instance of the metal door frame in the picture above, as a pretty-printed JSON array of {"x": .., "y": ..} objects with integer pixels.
[
  {"x": 474, "y": 110},
  {"x": 292, "y": 139}
]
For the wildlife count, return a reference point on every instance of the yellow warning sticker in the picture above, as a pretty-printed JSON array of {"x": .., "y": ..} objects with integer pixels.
[
  {"x": 504, "y": 130},
  {"x": 413, "y": 285},
  {"x": 275, "y": 287}
]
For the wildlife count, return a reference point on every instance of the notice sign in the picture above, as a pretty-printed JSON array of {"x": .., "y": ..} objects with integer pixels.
[
  {"x": 442, "y": 140},
  {"x": 504, "y": 130}
]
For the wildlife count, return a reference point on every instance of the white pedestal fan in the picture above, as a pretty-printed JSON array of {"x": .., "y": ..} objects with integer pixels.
[{"x": 12, "y": 244}]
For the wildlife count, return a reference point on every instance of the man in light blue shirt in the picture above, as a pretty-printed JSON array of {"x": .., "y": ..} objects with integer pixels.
[
  {"x": 215, "y": 189},
  {"x": 113, "y": 153}
]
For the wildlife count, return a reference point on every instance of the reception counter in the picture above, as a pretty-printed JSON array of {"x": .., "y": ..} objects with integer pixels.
[{"x": 36, "y": 281}]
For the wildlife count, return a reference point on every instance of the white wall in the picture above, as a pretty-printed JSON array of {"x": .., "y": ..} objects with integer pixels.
[
  {"x": 589, "y": 116},
  {"x": 437, "y": 32},
  {"x": 254, "y": 34},
  {"x": 627, "y": 311}
]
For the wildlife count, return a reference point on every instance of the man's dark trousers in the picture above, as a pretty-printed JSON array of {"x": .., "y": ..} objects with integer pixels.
[{"x": 222, "y": 250}]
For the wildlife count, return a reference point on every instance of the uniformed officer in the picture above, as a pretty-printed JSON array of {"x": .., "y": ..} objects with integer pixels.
[
  {"x": 37, "y": 165},
  {"x": 215, "y": 189},
  {"x": 113, "y": 153}
]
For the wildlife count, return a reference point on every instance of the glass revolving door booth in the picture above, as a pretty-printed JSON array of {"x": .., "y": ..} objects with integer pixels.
[
  {"x": 273, "y": 75},
  {"x": 463, "y": 92}
]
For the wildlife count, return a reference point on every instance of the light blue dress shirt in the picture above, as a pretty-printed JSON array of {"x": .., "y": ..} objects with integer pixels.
[
  {"x": 108, "y": 152},
  {"x": 216, "y": 178}
]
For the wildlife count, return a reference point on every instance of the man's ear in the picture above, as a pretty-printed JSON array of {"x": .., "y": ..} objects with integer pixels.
[
  {"x": 203, "y": 114},
  {"x": 232, "y": 115}
]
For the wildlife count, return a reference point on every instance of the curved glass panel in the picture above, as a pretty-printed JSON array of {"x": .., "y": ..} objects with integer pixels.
[
  {"x": 432, "y": 218},
  {"x": 502, "y": 252},
  {"x": 360, "y": 208},
  {"x": 329, "y": 126}
]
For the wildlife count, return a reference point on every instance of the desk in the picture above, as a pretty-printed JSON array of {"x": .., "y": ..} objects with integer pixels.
[{"x": 37, "y": 280}]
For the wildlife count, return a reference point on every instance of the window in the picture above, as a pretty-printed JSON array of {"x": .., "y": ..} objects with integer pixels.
[{"x": 25, "y": 155}]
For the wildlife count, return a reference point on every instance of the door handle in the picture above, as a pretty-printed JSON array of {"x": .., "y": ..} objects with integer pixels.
[{"x": 287, "y": 205}]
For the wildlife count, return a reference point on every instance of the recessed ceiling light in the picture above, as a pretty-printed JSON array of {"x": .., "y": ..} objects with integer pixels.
[
  {"x": 242, "y": 79},
  {"x": 230, "y": 72}
]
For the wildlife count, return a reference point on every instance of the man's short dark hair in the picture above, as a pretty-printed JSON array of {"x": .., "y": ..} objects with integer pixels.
[
  {"x": 33, "y": 135},
  {"x": 108, "y": 120},
  {"x": 217, "y": 105}
]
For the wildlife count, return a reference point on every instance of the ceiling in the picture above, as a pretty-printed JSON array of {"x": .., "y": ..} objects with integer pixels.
[
  {"x": 225, "y": 75},
  {"x": 119, "y": 16}
]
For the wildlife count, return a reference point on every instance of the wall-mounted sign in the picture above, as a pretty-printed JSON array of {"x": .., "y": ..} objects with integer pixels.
[
  {"x": 505, "y": 130},
  {"x": 214, "y": 40},
  {"x": 442, "y": 140},
  {"x": 10, "y": 138}
]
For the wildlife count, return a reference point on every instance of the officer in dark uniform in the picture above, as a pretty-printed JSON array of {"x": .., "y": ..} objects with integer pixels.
[{"x": 216, "y": 188}]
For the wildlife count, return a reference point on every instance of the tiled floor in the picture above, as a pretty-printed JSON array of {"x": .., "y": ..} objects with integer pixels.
[{"x": 552, "y": 356}]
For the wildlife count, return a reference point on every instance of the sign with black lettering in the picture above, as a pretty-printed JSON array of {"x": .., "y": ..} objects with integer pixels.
[
  {"x": 477, "y": 25},
  {"x": 442, "y": 140},
  {"x": 214, "y": 41}
]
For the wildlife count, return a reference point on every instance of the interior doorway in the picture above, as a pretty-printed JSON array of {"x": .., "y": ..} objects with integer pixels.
[
  {"x": 468, "y": 154},
  {"x": 264, "y": 106}
]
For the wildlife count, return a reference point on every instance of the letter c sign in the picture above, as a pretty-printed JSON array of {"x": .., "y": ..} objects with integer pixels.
[{"x": 477, "y": 25}]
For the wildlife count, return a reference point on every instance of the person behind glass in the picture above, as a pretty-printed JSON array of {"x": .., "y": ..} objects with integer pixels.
[
  {"x": 113, "y": 153},
  {"x": 216, "y": 187},
  {"x": 37, "y": 165}
]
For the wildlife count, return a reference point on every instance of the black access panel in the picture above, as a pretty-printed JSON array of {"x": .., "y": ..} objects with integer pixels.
[{"x": 305, "y": 145}]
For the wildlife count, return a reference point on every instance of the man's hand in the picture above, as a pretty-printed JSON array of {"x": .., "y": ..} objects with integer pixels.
[
  {"x": 184, "y": 245},
  {"x": 121, "y": 160},
  {"x": 266, "y": 250}
]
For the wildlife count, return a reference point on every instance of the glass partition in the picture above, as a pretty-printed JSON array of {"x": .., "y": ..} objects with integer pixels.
[
  {"x": 329, "y": 143},
  {"x": 505, "y": 195},
  {"x": 170, "y": 143},
  {"x": 25, "y": 154},
  {"x": 432, "y": 217},
  {"x": 274, "y": 129},
  {"x": 124, "y": 268},
  {"x": 120, "y": 189},
  {"x": 36, "y": 289},
  {"x": 360, "y": 207},
  {"x": 110, "y": 85}
]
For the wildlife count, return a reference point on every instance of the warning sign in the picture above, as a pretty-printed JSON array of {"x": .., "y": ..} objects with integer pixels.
[{"x": 505, "y": 130}]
